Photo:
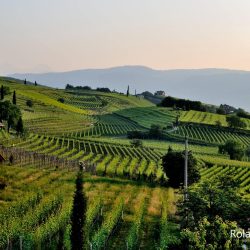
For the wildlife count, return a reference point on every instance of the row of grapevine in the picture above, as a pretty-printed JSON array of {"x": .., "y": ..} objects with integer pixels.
[
  {"x": 211, "y": 135},
  {"x": 102, "y": 235},
  {"x": 132, "y": 239}
]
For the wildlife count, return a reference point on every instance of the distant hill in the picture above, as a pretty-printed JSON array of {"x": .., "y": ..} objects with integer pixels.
[{"x": 213, "y": 86}]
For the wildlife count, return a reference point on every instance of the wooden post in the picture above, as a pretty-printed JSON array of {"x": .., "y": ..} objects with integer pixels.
[{"x": 21, "y": 242}]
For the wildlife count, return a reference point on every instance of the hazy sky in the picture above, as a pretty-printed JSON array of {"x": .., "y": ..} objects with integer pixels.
[{"x": 49, "y": 35}]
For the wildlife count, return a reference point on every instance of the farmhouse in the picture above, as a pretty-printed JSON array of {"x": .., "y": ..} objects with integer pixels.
[{"x": 160, "y": 93}]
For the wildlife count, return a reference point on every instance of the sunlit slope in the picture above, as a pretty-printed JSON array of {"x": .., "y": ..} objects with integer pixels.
[
  {"x": 199, "y": 117},
  {"x": 57, "y": 111}
]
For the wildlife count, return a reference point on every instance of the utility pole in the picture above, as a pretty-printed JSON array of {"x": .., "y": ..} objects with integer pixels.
[{"x": 186, "y": 170}]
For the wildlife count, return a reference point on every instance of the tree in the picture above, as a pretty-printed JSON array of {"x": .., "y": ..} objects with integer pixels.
[
  {"x": 173, "y": 166},
  {"x": 19, "y": 126},
  {"x": 211, "y": 235},
  {"x": 25, "y": 81},
  {"x": 14, "y": 98},
  {"x": 61, "y": 100},
  {"x": 29, "y": 103},
  {"x": 235, "y": 122},
  {"x": 78, "y": 214},
  {"x": 221, "y": 197},
  {"x": 105, "y": 90},
  {"x": 128, "y": 91},
  {"x": 69, "y": 86},
  {"x": 136, "y": 143},
  {"x": 136, "y": 134},
  {"x": 212, "y": 209},
  {"x": 248, "y": 152},
  {"x": 2, "y": 93},
  {"x": 220, "y": 111},
  {"x": 233, "y": 148},
  {"x": 5, "y": 90},
  {"x": 242, "y": 113},
  {"x": 155, "y": 132},
  {"x": 35, "y": 83},
  {"x": 10, "y": 113}
]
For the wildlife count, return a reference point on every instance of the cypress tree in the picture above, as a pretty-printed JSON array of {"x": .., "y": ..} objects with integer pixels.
[
  {"x": 19, "y": 126},
  {"x": 25, "y": 81},
  {"x": 2, "y": 93},
  {"x": 35, "y": 83},
  {"x": 14, "y": 97},
  {"x": 78, "y": 214},
  {"x": 128, "y": 91}
]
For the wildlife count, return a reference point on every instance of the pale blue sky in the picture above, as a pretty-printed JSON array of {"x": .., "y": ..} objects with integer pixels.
[{"x": 64, "y": 35}]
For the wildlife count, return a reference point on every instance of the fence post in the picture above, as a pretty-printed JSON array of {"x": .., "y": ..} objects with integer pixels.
[{"x": 21, "y": 242}]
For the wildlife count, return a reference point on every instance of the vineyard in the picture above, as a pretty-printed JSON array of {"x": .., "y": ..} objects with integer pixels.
[
  {"x": 207, "y": 118},
  {"x": 212, "y": 135},
  {"x": 129, "y": 205},
  {"x": 45, "y": 220}
]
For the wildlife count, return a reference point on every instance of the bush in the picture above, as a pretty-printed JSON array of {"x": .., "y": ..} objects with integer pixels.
[
  {"x": 233, "y": 148},
  {"x": 136, "y": 134},
  {"x": 155, "y": 132},
  {"x": 29, "y": 103},
  {"x": 136, "y": 143},
  {"x": 107, "y": 90},
  {"x": 235, "y": 122},
  {"x": 61, "y": 100}
]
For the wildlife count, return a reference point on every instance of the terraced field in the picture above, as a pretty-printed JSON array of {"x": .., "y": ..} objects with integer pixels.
[
  {"x": 147, "y": 116},
  {"x": 129, "y": 206},
  {"x": 202, "y": 118},
  {"x": 240, "y": 173},
  {"x": 199, "y": 117},
  {"x": 101, "y": 155},
  {"x": 211, "y": 135}
]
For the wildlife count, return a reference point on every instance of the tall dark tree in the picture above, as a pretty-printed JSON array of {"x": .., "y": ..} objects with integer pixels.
[
  {"x": 173, "y": 166},
  {"x": 128, "y": 91},
  {"x": 25, "y": 81},
  {"x": 35, "y": 83},
  {"x": 14, "y": 98},
  {"x": 19, "y": 126},
  {"x": 78, "y": 214},
  {"x": 2, "y": 93}
]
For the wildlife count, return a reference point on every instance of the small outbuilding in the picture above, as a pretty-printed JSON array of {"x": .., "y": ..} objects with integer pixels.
[{"x": 160, "y": 93}]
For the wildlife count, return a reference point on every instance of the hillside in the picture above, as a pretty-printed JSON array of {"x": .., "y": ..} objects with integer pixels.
[
  {"x": 125, "y": 185},
  {"x": 213, "y": 86}
]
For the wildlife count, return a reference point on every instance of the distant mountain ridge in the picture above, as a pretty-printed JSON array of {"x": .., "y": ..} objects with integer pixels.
[{"x": 213, "y": 86}]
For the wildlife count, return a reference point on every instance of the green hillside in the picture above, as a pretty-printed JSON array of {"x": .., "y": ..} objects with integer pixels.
[{"x": 129, "y": 203}]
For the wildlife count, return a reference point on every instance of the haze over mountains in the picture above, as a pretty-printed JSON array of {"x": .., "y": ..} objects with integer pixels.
[{"x": 213, "y": 86}]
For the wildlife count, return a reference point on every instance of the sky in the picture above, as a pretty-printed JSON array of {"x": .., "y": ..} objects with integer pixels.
[{"x": 63, "y": 35}]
